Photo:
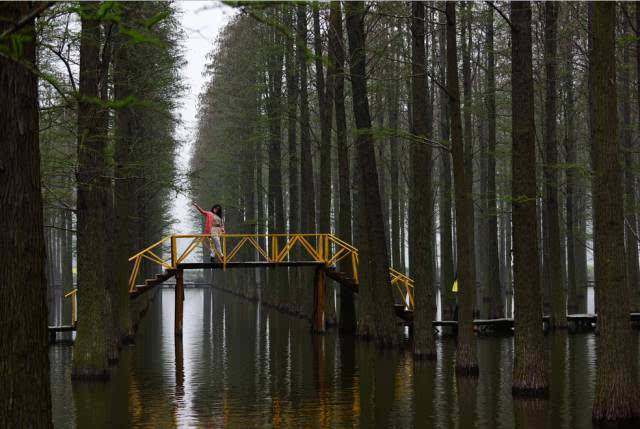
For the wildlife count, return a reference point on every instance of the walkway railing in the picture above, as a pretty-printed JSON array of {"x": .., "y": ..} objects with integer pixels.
[
  {"x": 74, "y": 305},
  {"x": 325, "y": 249}
]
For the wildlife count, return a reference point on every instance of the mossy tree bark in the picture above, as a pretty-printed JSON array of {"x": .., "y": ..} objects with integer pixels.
[
  {"x": 530, "y": 376},
  {"x": 376, "y": 311},
  {"x": 616, "y": 394},
  {"x": 25, "y": 399},
  {"x": 466, "y": 356},
  {"x": 421, "y": 260}
]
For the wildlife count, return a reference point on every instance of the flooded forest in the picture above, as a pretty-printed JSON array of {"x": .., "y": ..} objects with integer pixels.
[{"x": 320, "y": 214}]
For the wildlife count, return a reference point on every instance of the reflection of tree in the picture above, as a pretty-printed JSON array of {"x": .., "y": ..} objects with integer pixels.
[
  {"x": 559, "y": 392},
  {"x": 466, "y": 388},
  {"x": 424, "y": 375},
  {"x": 489, "y": 359},
  {"x": 531, "y": 413}
]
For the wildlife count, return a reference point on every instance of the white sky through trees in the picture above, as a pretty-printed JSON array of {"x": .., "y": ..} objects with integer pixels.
[{"x": 201, "y": 21}]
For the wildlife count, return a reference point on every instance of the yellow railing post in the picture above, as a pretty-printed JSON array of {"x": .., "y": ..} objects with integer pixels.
[
  {"x": 174, "y": 253},
  {"x": 275, "y": 249},
  {"x": 224, "y": 252},
  {"x": 354, "y": 266},
  {"x": 74, "y": 309}
]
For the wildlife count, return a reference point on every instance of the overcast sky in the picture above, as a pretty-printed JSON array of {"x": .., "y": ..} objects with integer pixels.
[{"x": 202, "y": 21}]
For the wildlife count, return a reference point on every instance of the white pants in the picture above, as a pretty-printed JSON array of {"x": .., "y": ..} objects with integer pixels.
[{"x": 215, "y": 237}]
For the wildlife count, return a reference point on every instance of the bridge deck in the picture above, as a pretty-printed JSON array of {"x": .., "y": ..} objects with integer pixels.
[
  {"x": 62, "y": 328},
  {"x": 261, "y": 264}
]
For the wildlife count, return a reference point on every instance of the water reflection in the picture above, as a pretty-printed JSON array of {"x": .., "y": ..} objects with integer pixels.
[{"x": 241, "y": 364}]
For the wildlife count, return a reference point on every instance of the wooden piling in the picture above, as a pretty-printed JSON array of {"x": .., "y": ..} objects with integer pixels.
[
  {"x": 318, "y": 301},
  {"x": 179, "y": 298}
]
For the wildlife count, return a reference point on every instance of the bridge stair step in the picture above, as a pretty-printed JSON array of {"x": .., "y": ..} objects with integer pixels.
[{"x": 151, "y": 283}]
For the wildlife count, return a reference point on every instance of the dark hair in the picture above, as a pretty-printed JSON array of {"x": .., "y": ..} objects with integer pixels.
[{"x": 217, "y": 206}]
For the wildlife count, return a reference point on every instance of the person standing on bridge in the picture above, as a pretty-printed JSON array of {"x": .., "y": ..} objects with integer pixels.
[{"x": 213, "y": 225}]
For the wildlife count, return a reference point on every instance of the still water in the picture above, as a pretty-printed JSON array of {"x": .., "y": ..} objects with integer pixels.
[{"x": 243, "y": 365}]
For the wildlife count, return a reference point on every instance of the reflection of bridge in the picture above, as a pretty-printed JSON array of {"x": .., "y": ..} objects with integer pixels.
[{"x": 330, "y": 256}]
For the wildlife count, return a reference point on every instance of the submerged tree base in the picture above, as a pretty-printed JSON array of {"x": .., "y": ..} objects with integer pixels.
[
  {"x": 87, "y": 374},
  {"x": 618, "y": 409},
  {"x": 431, "y": 355},
  {"x": 530, "y": 392},
  {"x": 467, "y": 371}
]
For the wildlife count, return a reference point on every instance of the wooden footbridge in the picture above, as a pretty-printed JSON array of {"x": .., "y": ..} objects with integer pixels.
[{"x": 330, "y": 256}]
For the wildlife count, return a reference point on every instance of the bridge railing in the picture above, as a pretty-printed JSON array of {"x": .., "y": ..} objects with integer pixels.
[
  {"x": 74, "y": 305},
  {"x": 273, "y": 248}
]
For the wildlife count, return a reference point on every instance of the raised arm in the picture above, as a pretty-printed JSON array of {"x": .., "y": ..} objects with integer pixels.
[{"x": 199, "y": 209}]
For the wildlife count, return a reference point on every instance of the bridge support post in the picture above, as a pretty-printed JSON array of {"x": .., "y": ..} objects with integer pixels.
[
  {"x": 318, "y": 301},
  {"x": 179, "y": 296}
]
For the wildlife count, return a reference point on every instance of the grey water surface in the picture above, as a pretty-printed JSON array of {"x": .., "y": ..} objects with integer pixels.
[{"x": 240, "y": 364}]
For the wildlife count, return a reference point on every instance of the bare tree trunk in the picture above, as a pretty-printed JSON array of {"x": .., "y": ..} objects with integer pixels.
[
  {"x": 631, "y": 242},
  {"x": 616, "y": 394},
  {"x": 325, "y": 105},
  {"x": 530, "y": 376},
  {"x": 492, "y": 282},
  {"x": 420, "y": 256},
  {"x": 294, "y": 173},
  {"x": 447, "y": 298},
  {"x": 25, "y": 399},
  {"x": 307, "y": 190},
  {"x": 553, "y": 262},
  {"x": 466, "y": 356},
  {"x": 376, "y": 310},
  {"x": 91, "y": 346},
  {"x": 468, "y": 145},
  {"x": 574, "y": 302}
]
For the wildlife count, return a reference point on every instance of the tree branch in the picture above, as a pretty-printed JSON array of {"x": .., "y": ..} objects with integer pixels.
[{"x": 25, "y": 20}]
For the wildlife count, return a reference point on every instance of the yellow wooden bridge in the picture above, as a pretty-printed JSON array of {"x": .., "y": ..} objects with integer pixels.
[{"x": 331, "y": 256}]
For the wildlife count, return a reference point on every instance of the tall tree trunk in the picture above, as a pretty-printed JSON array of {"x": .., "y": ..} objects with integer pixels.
[
  {"x": 307, "y": 192},
  {"x": 420, "y": 257},
  {"x": 591, "y": 116},
  {"x": 394, "y": 100},
  {"x": 376, "y": 310},
  {"x": 294, "y": 172},
  {"x": 635, "y": 287},
  {"x": 336, "y": 60},
  {"x": 552, "y": 234},
  {"x": 113, "y": 328},
  {"x": 616, "y": 393},
  {"x": 492, "y": 281},
  {"x": 325, "y": 107},
  {"x": 468, "y": 144},
  {"x": 574, "y": 301},
  {"x": 631, "y": 242},
  {"x": 277, "y": 286},
  {"x": 325, "y": 104},
  {"x": 466, "y": 356},
  {"x": 91, "y": 346},
  {"x": 125, "y": 200},
  {"x": 25, "y": 399},
  {"x": 530, "y": 376},
  {"x": 447, "y": 298}
]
